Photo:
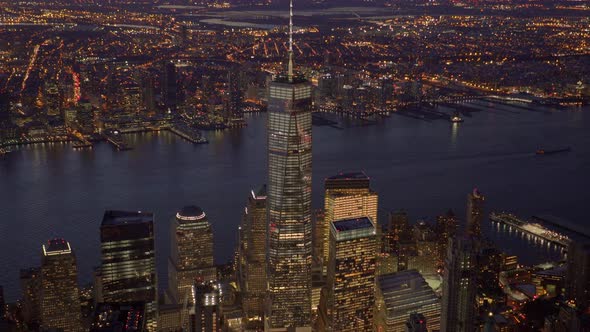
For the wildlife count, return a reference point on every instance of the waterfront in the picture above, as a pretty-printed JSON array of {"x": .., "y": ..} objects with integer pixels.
[{"x": 50, "y": 190}]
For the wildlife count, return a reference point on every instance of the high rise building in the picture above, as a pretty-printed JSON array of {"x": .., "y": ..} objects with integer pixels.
[
  {"x": 289, "y": 200},
  {"x": 191, "y": 252},
  {"x": 207, "y": 307},
  {"x": 254, "y": 251},
  {"x": 30, "y": 281},
  {"x": 426, "y": 250},
  {"x": 416, "y": 323},
  {"x": 398, "y": 229},
  {"x": 459, "y": 286},
  {"x": 351, "y": 275},
  {"x": 400, "y": 294},
  {"x": 234, "y": 95},
  {"x": 578, "y": 272},
  {"x": 59, "y": 296},
  {"x": 347, "y": 196},
  {"x": 446, "y": 227},
  {"x": 128, "y": 269},
  {"x": 475, "y": 213},
  {"x": 169, "y": 86}
]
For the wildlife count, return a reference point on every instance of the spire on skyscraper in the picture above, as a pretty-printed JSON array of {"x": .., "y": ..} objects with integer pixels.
[{"x": 290, "y": 69}]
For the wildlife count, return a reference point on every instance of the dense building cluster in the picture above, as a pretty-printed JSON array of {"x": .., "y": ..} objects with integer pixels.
[{"x": 95, "y": 74}]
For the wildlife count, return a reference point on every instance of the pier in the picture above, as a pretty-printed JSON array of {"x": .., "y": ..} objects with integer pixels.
[
  {"x": 533, "y": 231},
  {"x": 114, "y": 137},
  {"x": 188, "y": 133}
]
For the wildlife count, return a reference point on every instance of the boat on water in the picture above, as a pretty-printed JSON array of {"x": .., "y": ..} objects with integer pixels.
[
  {"x": 542, "y": 151},
  {"x": 456, "y": 118}
]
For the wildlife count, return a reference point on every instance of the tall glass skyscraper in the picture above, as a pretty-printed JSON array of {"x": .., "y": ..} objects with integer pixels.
[
  {"x": 128, "y": 260},
  {"x": 191, "y": 252},
  {"x": 60, "y": 297},
  {"x": 289, "y": 203}
]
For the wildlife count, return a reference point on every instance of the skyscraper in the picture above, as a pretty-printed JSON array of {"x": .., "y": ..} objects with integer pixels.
[
  {"x": 169, "y": 86},
  {"x": 347, "y": 196},
  {"x": 578, "y": 272},
  {"x": 30, "y": 281},
  {"x": 446, "y": 227},
  {"x": 59, "y": 297},
  {"x": 254, "y": 268},
  {"x": 128, "y": 260},
  {"x": 459, "y": 286},
  {"x": 289, "y": 200},
  {"x": 191, "y": 252},
  {"x": 207, "y": 307},
  {"x": 475, "y": 213},
  {"x": 400, "y": 294},
  {"x": 351, "y": 275}
]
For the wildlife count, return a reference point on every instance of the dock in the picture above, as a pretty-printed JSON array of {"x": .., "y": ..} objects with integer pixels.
[
  {"x": 535, "y": 231},
  {"x": 190, "y": 134},
  {"x": 116, "y": 140}
]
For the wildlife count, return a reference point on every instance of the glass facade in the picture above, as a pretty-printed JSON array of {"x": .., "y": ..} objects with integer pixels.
[
  {"x": 289, "y": 205},
  {"x": 351, "y": 275},
  {"x": 253, "y": 262},
  {"x": 400, "y": 294},
  {"x": 191, "y": 252},
  {"x": 459, "y": 287},
  {"x": 347, "y": 196},
  {"x": 128, "y": 260},
  {"x": 59, "y": 297}
]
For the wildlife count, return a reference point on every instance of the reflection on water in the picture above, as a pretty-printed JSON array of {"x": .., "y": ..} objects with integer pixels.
[{"x": 52, "y": 190}]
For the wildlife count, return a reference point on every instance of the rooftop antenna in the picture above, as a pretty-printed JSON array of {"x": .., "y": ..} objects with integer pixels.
[{"x": 290, "y": 69}]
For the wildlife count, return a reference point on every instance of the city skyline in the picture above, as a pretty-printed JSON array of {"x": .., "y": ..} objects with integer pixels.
[{"x": 245, "y": 92}]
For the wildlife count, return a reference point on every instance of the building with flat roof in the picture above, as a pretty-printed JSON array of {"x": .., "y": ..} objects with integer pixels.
[
  {"x": 400, "y": 294},
  {"x": 191, "y": 252},
  {"x": 347, "y": 196},
  {"x": 128, "y": 269},
  {"x": 59, "y": 296},
  {"x": 350, "y": 294},
  {"x": 459, "y": 286}
]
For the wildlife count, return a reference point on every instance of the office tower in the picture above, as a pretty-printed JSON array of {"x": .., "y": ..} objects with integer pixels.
[
  {"x": 318, "y": 231},
  {"x": 30, "y": 281},
  {"x": 117, "y": 317},
  {"x": 424, "y": 258},
  {"x": 60, "y": 296},
  {"x": 398, "y": 229},
  {"x": 234, "y": 95},
  {"x": 416, "y": 323},
  {"x": 254, "y": 254},
  {"x": 400, "y": 294},
  {"x": 128, "y": 269},
  {"x": 347, "y": 196},
  {"x": 578, "y": 272},
  {"x": 289, "y": 200},
  {"x": 351, "y": 275},
  {"x": 169, "y": 86},
  {"x": 475, "y": 213},
  {"x": 207, "y": 307},
  {"x": 446, "y": 228},
  {"x": 191, "y": 252},
  {"x": 459, "y": 286}
]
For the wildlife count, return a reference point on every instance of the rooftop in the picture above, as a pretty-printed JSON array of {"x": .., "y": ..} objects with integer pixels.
[
  {"x": 112, "y": 218},
  {"x": 190, "y": 213},
  {"x": 353, "y": 224},
  {"x": 283, "y": 78},
  {"x": 56, "y": 247},
  {"x": 349, "y": 176}
]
